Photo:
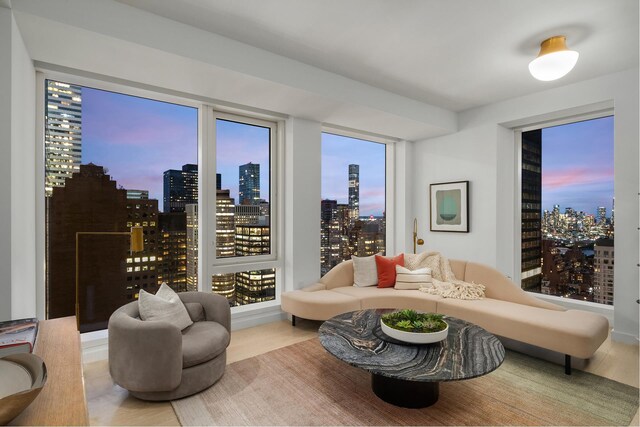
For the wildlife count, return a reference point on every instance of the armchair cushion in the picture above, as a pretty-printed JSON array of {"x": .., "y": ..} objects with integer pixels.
[
  {"x": 195, "y": 310},
  {"x": 203, "y": 341},
  {"x": 165, "y": 306}
]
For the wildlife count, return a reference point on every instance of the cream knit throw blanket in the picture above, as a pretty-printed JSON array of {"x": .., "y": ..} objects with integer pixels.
[{"x": 445, "y": 283}]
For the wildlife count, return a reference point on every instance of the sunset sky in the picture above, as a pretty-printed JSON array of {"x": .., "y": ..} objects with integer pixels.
[
  {"x": 577, "y": 166},
  {"x": 137, "y": 139}
]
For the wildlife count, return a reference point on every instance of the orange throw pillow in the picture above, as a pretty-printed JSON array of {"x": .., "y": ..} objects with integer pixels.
[{"x": 387, "y": 270}]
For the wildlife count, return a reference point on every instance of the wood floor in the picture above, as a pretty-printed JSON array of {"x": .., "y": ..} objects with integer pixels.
[{"x": 111, "y": 405}]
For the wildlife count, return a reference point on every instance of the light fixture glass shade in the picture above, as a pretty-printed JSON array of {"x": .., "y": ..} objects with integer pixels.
[{"x": 554, "y": 60}]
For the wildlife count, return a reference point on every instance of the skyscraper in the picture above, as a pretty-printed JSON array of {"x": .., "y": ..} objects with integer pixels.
[
  {"x": 108, "y": 274},
  {"x": 218, "y": 181},
  {"x": 192, "y": 246},
  {"x": 249, "y": 184},
  {"x": 603, "y": 271},
  {"x": 63, "y": 133},
  {"x": 354, "y": 192},
  {"x": 138, "y": 194},
  {"x": 531, "y": 255},
  {"x": 224, "y": 284},
  {"x": 255, "y": 285},
  {"x": 180, "y": 187},
  {"x": 172, "y": 245},
  {"x": 602, "y": 215}
]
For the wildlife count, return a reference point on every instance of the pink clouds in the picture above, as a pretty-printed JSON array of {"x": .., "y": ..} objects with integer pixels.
[{"x": 555, "y": 179}]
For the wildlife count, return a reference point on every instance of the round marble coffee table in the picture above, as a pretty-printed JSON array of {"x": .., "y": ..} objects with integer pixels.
[{"x": 409, "y": 375}]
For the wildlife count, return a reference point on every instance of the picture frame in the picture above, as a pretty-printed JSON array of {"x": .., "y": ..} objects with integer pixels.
[{"x": 449, "y": 206}]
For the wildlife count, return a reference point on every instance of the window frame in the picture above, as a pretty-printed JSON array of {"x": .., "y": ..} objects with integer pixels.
[
  {"x": 237, "y": 264},
  {"x": 390, "y": 153},
  {"x": 206, "y": 110},
  {"x": 598, "y": 113}
]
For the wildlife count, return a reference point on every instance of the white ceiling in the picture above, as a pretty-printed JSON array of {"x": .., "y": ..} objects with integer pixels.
[{"x": 456, "y": 54}]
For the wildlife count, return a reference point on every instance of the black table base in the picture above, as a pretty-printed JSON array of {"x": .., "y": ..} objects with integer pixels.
[{"x": 407, "y": 394}]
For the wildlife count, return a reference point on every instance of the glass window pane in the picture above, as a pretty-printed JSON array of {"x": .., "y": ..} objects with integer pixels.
[
  {"x": 246, "y": 287},
  {"x": 243, "y": 195},
  {"x": 568, "y": 210},
  {"x": 113, "y": 161},
  {"x": 352, "y": 210}
]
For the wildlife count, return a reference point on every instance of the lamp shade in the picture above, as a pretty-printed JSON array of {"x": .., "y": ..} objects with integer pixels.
[
  {"x": 554, "y": 60},
  {"x": 137, "y": 239}
]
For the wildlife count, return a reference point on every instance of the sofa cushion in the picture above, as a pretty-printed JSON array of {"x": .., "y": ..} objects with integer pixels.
[
  {"x": 574, "y": 332},
  {"x": 416, "y": 279},
  {"x": 319, "y": 305},
  {"x": 203, "y": 341},
  {"x": 365, "y": 272},
  {"x": 391, "y": 298},
  {"x": 387, "y": 269}
]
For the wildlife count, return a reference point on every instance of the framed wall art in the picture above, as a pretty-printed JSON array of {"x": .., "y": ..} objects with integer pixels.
[{"x": 449, "y": 206}]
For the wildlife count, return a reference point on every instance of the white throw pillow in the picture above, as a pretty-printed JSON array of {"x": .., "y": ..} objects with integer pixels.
[
  {"x": 365, "y": 272},
  {"x": 165, "y": 305},
  {"x": 407, "y": 279}
]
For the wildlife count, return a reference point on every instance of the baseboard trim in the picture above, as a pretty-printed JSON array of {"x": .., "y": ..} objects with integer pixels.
[
  {"x": 624, "y": 337},
  {"x": 95, "y": 345},
  {"x": 253, "y": 318}
]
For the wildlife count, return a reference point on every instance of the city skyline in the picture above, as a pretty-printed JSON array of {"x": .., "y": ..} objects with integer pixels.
[
  {"x": 338, "y": 152},
  {"x": 577, "y": 166},
  {"x": 138, "y": 139}
]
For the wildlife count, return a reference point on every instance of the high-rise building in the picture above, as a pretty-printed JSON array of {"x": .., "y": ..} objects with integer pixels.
[
  {"x": 354, "y": 192},
  {"x": 138, "y": 194},
  {"x": 329, "y": 236},
  {"x": 192, "y": 246},
  {"x": 218, "y": 181},
  {"x": 247, "y": 214},
  {"x": 603, "y": 271},
  {"x": 172, "y": 247},
  {"x": 249, "y": 184},
  {"x": 602, "y": 215},
  {"x": 224, "y": 284},
  {"x": 63, "y": 133},
  {"x": 531, "y": 231},
  {"x": 180, "y": 187},
  {"x": 108, "y": 275},
  {"x": 255, "y": 285}
]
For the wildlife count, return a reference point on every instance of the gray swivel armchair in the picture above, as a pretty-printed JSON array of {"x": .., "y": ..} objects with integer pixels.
[{"x": 154, "y": 360}]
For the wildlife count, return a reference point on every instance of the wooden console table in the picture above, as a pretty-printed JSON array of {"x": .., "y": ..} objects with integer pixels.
[{"x": 62, "y": 400}]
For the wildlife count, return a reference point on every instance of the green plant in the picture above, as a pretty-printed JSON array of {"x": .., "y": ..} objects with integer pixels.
[{"x": 412, "y": 321}]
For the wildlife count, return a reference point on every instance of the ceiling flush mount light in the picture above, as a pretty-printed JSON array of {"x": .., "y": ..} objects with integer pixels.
[{"x": 554, "y": 60}]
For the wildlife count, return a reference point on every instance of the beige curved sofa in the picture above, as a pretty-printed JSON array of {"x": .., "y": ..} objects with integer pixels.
[{"x": 506, "y": 310}]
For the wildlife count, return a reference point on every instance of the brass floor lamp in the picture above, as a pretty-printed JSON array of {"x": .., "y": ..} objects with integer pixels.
[{"x": 136, "y": 245}]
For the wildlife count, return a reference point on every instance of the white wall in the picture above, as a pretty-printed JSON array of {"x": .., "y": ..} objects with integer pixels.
[
  {"x": 482, "y": 151},
  {"x": 460, "y": 157},
  {"x": 5, "y": 164},
  {"x": 302, "y": 203},
  {"x": 17, "y": 173},
  {"x": 23, "y": 176},
  {"x": 116, "y": 40}
]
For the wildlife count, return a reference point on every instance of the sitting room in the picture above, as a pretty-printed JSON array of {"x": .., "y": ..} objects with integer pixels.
[{"x": 319, "y": 212}]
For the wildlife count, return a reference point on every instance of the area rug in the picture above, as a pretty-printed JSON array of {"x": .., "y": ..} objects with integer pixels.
[{"x": 304, "y": 385}]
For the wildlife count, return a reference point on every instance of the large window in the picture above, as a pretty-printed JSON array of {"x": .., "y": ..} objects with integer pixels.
[
  {"x": 244, "y": 210},
  {"x": 112, "y": 162},
  {"x": 568, "y": 210},
  {"x": 353, "y": 206}
]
